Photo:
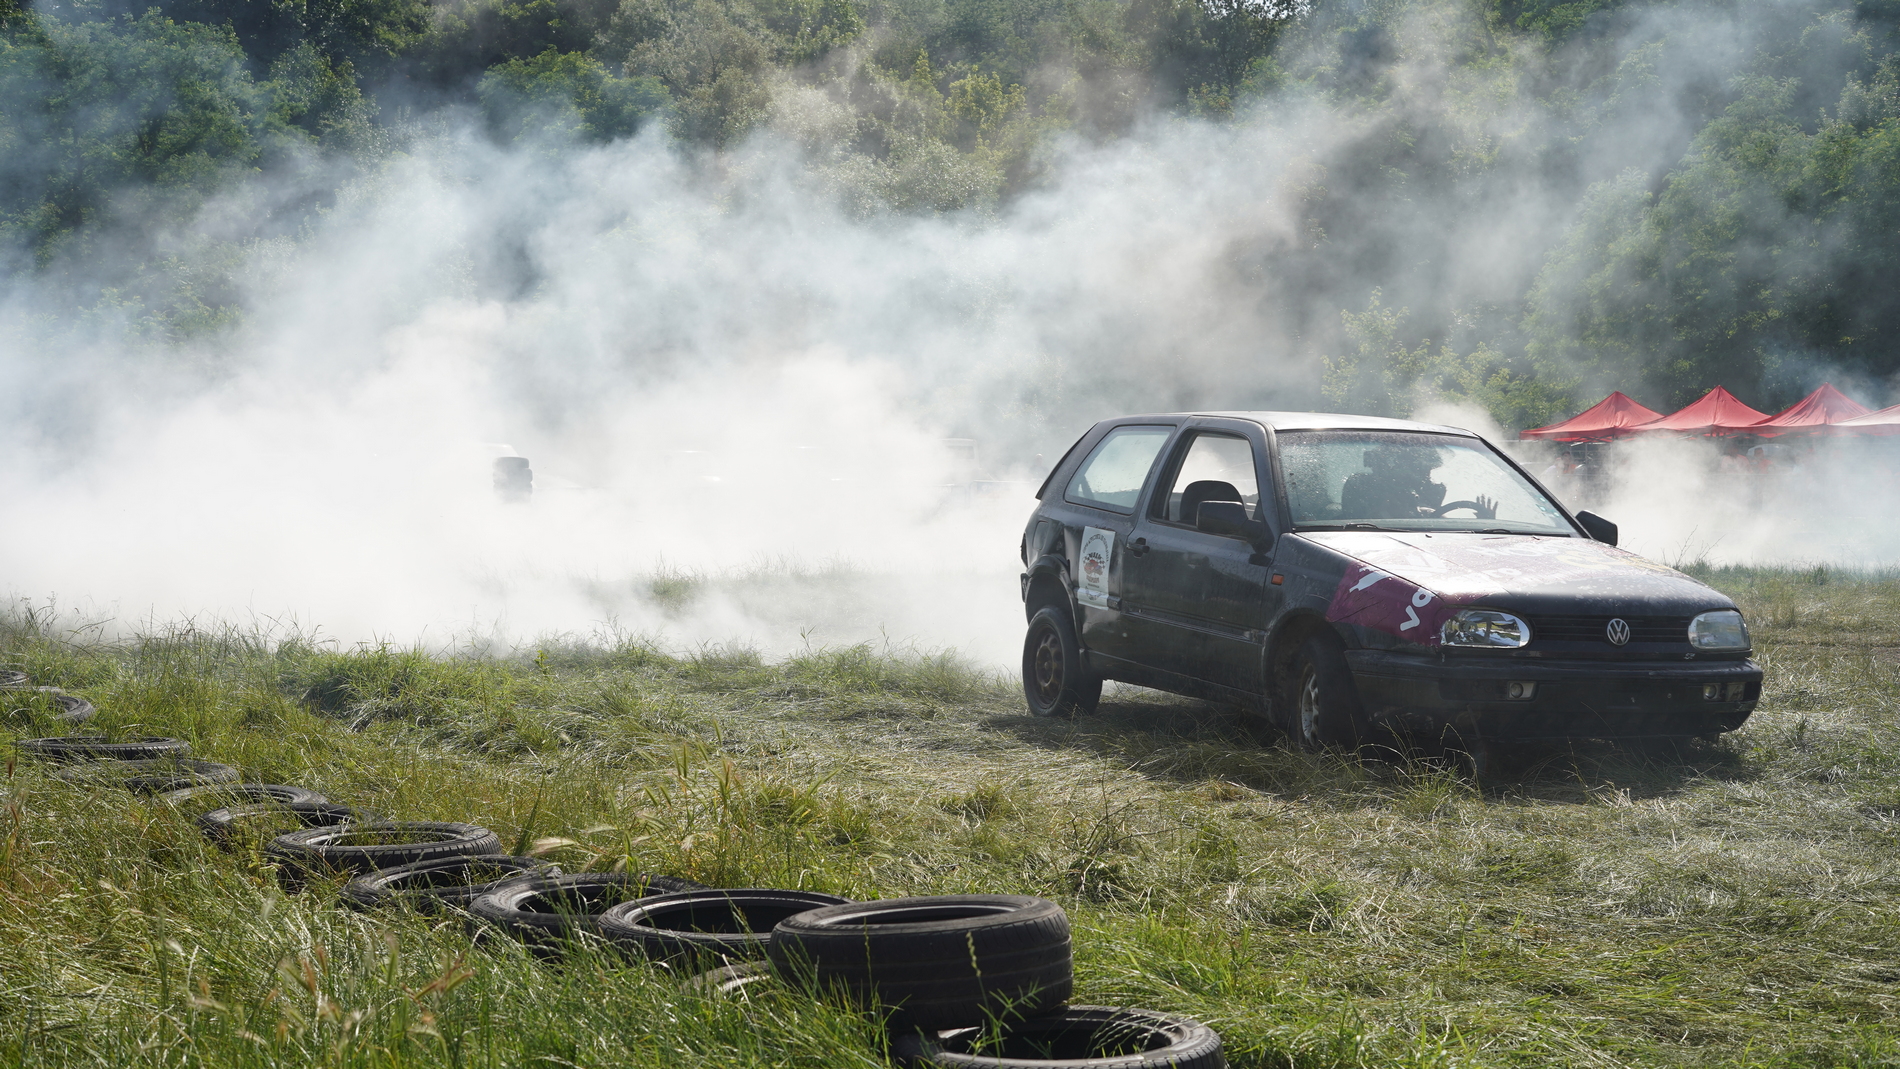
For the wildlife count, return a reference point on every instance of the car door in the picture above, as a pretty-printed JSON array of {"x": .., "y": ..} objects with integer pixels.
[
  {"x": 1100, "y": 500},
  {"x": 1197, "y": 603}
]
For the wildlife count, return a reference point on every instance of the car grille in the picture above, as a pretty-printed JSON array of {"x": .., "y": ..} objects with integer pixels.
[{"x": 1591, "y": 628}]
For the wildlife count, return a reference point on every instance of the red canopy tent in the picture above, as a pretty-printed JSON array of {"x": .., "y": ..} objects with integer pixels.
[
  {"x": 1612, "y": 417},
  {"x": 1885, "y": 421},
  {"x": 1716, "y": 412},
  {"x": 1825, "y": 407}
]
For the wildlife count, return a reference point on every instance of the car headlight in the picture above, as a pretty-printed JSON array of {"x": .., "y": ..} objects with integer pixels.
[
  {"x": 1722, "y": 629},
  {"x": 1488, "y": 628}
]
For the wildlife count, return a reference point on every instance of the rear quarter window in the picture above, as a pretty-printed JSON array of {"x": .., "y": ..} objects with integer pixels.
[{"x": 1112, "y": 476}]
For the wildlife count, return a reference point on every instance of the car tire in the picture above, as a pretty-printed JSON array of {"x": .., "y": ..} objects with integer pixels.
[
  {"x": 934, "y": 962},
  {"x": 444, "y": 883},
  {"x": 246, "y": 793},
  {"x": 73, "y": 708},
  {"x": 1055, "y": 681},
  {"x": 730, "y": 981},
  {"x": 1080, "y": 1037},
  {"x": 1322, "y": 702},
  {"x": 222, "y": 825},
  {"x": 12, "y": 679},
  {"x": 96, "y": 748},
  {"x": 386, "y": 844},
  {"x": 719, "y": 923},
  {"x": 549, "y": 910},
  {"x": 155, "y": 775}
]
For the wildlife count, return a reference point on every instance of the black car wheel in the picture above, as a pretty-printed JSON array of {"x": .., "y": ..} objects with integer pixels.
[
  {"x": 1054, "y": 680},
  {"x": 1324, "y": 703}
]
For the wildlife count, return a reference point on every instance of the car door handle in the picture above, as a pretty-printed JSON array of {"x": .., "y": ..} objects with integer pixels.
[{"x": 1138, "y": 546}]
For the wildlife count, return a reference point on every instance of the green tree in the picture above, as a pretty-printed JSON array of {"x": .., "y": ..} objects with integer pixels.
[
  {"x": 116, "y": 132},
  {"x": 568, "y": 91},
  {"x": 468, "y": 37},
  {"x": 364, "y": 33},
  {"x": 118, "y": 119},
  {"x": 309, "y": 93},
  {"x": 1383, "y": 374},
  {"x": 805, "y": 30},
  {"x": 1769, "y": 250}
]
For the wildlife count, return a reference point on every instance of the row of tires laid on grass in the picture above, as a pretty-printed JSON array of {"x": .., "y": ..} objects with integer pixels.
[{"x": 964, "y": 980}]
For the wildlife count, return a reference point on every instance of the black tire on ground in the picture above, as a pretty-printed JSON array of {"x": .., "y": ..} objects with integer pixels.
[
  {"x": 1321, "y": 698},
  {"x": 386, "y": 844},
  {"x": 96, "y": 748},
  {"x": 244, "y": 793},
  {"x": 936, "y": 962},
  {"x": 721, "y": 923},
  {"x": 730, "y": 981},
  {"x": 154, "y": 775},
  {"x": 449, "y": 882},
  {"x": 554, "y": 909},
  {"x": 12, "y": 679},
  {"x": 1080, "y": 1037},
  {"x": 73, "y": 708},
  {"x": 224, "y": 825},
  {"x": 1055, "y": 681}
]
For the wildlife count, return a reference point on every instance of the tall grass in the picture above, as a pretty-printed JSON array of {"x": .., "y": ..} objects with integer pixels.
[{"x": 1730, "y": 904}]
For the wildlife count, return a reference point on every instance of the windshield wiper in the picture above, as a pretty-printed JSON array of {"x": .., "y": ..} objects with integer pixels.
[{"x": 1356, "y": 526}]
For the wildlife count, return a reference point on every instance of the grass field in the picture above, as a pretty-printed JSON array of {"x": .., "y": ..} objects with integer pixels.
[{"x": 1734, "y": 904}]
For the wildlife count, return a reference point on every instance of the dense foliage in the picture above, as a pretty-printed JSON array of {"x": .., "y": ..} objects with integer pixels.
[
  {"x": 1772, "y": 241},
  {"x": 1751, "y": 246}
]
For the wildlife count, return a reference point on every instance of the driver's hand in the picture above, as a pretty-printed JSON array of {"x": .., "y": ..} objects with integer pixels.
[{"x": 1487, "y": 507}]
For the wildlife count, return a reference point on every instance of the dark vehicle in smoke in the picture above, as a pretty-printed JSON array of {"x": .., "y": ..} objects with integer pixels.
[
  {"x": 1351, "y": 576},
  {"x": 513, "y": 479},
  {"x": 511, "y": 476}
]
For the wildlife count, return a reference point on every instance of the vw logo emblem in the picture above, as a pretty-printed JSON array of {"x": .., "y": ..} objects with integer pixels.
[{"x": 1617, "y": 631}]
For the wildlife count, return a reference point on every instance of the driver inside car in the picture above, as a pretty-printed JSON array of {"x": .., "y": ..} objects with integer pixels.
[{"x": 1397, "y": 483}]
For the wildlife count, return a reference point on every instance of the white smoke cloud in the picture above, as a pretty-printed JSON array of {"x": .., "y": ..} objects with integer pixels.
[
  {"x": 718, "y": 370},
  {"x": 1800, "y": 501}
]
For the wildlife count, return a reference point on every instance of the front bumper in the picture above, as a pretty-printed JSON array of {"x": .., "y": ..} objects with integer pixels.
[{"x": 1598, "y": 699}]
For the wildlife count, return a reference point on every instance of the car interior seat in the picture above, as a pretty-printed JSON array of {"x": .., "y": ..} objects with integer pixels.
[{"x": 1206, "y": 490}]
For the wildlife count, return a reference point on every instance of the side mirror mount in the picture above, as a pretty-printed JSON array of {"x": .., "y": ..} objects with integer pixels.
[
  {"x": 1229, "y": 518},
  {"x": 1597, "y": 527}
]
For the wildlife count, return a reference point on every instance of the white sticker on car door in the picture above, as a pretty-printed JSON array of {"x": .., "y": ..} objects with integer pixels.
[{"x": 1091, "y": 573}]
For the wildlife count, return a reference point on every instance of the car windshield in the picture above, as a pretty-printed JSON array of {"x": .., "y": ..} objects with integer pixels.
[{"x": 1397, "y": 481}]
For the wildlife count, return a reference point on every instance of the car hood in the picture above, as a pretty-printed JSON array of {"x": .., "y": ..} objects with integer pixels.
[{"x": 1419, "y": 578}]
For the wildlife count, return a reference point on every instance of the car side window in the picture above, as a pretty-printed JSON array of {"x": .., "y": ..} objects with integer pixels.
[
  {"x": 1216, "y": 467},
  {"x": 1112, "y": 475}
]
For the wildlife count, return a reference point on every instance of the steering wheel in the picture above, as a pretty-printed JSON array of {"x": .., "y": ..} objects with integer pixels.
[{"x": 1453, "y": 505}]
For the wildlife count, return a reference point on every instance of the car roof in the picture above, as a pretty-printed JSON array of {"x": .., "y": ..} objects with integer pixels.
[{"x": 1313, "y": 421}]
